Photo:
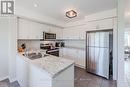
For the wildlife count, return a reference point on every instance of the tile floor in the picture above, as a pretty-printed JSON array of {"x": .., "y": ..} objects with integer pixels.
[{"x": 82, "y": 79}]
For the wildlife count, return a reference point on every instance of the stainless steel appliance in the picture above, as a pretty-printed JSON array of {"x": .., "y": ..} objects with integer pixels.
[
  {"x": 49, "y": 36},
  {"x": 50, "y": 50},
  {"x": 54, "y": 52},
  {"x": 99, "y": 52}
]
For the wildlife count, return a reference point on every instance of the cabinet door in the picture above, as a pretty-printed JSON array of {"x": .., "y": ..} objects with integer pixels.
[
  {"x": 71, "y": 33},
  {"x": 106, "y": 24},
  {"x": 100, "y": 25},
  {"x": 92, "y": 25},
  {"x": 60, "y": 52},
  {"x": 58, "y": 31},
  {"x": 22, "y": 72},
  {"x": 34, "y": 30},
  {"x": 81, "y": 58},
  {"x": 82, "y": 32},
  {"x": 65, "y": 53},
  {"x": 66, "y": 34},
  {"x": 73, "y": 54},
  {"x": 23, "y": 29},
  {"x": 70, "y": 53},
  {"x": 28, "y": 29}
]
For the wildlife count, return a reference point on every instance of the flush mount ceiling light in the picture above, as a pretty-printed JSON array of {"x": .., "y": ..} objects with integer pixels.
[{"x": 71, "y": 14}]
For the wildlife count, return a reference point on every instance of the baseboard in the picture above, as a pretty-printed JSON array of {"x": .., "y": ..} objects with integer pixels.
[
  {"x": 3, "y": 78},
  {"x": 12, "y": 80},
  {"x": 80, "y": 66}
]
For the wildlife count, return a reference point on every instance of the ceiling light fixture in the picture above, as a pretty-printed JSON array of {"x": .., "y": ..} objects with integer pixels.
[{"x": 71, "y": 14}]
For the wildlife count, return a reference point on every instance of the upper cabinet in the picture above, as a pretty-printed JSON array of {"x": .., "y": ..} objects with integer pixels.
[
  {"x": 57, "y": 31},
  {"x": 79, "y": 32},
  {"x": 70, "y": 33},
  {"x": 106, "y": 24},
  {"x": 100, "y": 24},
  {"x": 74, "y": 33},
  {"x": 34, "y": 30}
]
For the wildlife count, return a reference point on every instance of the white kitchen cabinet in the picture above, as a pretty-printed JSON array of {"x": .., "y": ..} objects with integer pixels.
[
  {"x": 100, "y": 24},
  {"x": 31, "y": 75},
  {"x": 34, "y": 30},
  {"x": 23, "y": 29},
  {"x": 71, "y": 33},
  {"x": 57, "y": 31},
  {"x": 78, "y": 55},
  {"x": 60, "y": 52},
  {"x": 106, "y": 24},
  {"x": 22, "y": 72},
  {"x": 28, "y": 29},
  {"x": 81, "y": 61},
  {"x": 67, "y": 34},
  {"x": 92, "y": 25},
  {"x": 79, "y": 32},
  {"x": 66, "y": 53},
  {"x": 74, "y": 33}
]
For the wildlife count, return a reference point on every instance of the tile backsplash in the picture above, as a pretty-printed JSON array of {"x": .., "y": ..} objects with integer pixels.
[
  {"x": 35, "y": 44},
  {"x": 32, "y": 44}
]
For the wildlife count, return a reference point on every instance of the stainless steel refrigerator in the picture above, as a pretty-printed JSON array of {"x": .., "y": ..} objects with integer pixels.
[{"x": 99, "y": 52}]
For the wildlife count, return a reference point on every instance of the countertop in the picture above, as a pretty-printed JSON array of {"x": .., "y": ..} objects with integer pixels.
[
  {"x": 52, "y": 65},
  {"x": 70, "y": 47}
]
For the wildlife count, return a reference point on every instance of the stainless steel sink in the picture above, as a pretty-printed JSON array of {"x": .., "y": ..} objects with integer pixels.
[{"x": 33, "y": 56}]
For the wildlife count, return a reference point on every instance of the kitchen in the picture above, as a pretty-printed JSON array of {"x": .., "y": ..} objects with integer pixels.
[
  {"x": 54, "y": 50},
  {"x": 58, "y": 42}
]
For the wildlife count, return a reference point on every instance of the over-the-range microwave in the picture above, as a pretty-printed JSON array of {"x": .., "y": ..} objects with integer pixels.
[{"x": 49, "y": 36}]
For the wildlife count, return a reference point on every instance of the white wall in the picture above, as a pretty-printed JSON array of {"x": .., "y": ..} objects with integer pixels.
[
  {"x": 12, "y": 48},
  {"x": 8, "y": 47},
  {"x": 4, "y": 40},
  {"x": 121, "y": 27}
]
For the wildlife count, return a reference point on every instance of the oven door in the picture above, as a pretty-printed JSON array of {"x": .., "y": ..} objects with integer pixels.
[
  {"x": 49, "y": 36},
  {"x": 54, "y": 53}
]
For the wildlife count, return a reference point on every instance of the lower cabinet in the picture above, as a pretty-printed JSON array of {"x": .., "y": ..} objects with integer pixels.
[
  {"x": 81, "y": 61},
  {"x": 22, "y": 72},
  {"x": 78, "y": 55},
  {"x": 31, "y": 75}
]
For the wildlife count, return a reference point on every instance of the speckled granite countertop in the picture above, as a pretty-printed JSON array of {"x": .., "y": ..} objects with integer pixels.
[{"x": 52, "y": 65}]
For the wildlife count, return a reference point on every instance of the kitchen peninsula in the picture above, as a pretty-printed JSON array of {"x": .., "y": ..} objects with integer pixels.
[{"x": 49, "y": 71}]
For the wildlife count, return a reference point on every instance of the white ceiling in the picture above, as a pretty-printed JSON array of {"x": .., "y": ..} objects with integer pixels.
[{"x": 57, "y": 8}]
